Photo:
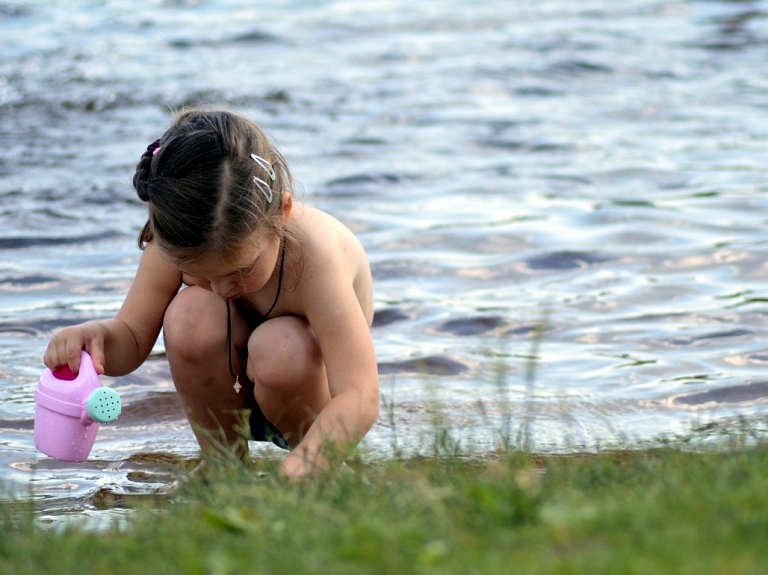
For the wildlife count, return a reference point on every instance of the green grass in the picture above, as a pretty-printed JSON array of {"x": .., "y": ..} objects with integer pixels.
[{"x": 662, "y": 511}]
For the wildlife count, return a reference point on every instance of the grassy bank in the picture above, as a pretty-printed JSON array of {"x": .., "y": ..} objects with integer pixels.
[{"x": 661, "y": 511}]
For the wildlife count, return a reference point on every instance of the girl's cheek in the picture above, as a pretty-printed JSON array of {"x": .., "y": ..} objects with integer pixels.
[
  {"x": 197, "y": 281},
  {"x": 255, "y": 281}
]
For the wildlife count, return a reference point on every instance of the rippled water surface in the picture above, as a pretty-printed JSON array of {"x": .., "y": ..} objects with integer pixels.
[{"x": 563, "y": 201}]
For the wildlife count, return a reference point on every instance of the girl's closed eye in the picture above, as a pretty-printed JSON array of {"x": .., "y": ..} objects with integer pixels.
[{"x": 247, "y": 270}]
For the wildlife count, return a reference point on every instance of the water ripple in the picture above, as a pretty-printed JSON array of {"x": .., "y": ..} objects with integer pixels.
[{"x": 563, "y": 203}]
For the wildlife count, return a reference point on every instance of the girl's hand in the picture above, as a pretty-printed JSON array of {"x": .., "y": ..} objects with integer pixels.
[
  {"x": 65, "y": 347},
  {"x": 295, "y": 467}
]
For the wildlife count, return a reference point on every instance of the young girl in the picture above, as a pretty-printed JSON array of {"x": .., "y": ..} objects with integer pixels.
[{"x": 265, "y": 304}]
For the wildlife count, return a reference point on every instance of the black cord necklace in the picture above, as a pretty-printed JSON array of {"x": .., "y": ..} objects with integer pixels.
[{"x": 237, "y": 385}]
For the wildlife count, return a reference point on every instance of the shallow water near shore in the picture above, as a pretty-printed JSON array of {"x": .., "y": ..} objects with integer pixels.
[{"x": 563, "y": 202}]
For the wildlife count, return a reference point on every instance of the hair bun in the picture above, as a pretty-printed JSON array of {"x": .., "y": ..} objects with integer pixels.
[{"x": 142, "y": 189}]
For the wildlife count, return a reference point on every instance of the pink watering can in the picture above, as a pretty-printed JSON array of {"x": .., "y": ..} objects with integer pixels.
[{"x": 69, "y": 408}]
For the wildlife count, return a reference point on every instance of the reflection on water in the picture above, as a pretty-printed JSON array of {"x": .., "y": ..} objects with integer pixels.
[{"x": 593, "y": 172}]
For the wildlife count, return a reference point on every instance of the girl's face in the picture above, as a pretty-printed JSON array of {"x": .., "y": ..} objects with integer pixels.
[{"x": 248, "y": 272}]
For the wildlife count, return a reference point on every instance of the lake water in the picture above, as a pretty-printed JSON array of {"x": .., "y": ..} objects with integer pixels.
[{"x": 564, "y": 204}]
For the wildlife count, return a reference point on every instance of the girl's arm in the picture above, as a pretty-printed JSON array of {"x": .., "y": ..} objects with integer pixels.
[
  {"x": 121, "y": 344},
  {"x": 344, "y": 335}
]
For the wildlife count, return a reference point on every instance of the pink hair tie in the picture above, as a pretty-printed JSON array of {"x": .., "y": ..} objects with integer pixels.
[{"x": 154, "y": 147}]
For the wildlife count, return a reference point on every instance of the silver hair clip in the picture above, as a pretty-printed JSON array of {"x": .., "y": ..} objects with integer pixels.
[
  {"x": 264, "y": 186},
  {"x": 264, "y": 164}
]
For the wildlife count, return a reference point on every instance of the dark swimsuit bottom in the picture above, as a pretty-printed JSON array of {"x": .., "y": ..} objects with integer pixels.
[{"x": 261, "y": 428}]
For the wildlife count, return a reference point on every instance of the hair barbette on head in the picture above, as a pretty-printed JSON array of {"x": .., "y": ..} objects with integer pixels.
[{"x": 201, "y": 185}]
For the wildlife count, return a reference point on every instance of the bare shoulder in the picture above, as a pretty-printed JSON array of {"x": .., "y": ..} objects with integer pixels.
[
  {"x": 326, "y": 235},
  {"x": 161, "y": 273},
  {"x": 334, "y": 256},
  {"x": 155, "y": 284}
]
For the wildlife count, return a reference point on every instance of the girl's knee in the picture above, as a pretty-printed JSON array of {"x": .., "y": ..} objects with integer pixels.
[
  {"x": 194, "y": 324},
  {"x": 283, "y": 352}
]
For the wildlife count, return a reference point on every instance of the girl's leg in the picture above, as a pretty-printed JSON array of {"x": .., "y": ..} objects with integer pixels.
[
  {"x": 287, "y": 368},
  {"x": 195, "y": 334}
]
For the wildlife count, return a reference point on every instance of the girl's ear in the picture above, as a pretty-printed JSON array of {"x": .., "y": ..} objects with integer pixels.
[{"x": 285, "y": 209}]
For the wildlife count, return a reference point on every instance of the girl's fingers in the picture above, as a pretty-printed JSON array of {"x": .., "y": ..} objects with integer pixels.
[
  {"x": 73, "y": 349},
  {"x": 56, "y": 355},
  {"x": 96, "y": 348},
  {"x": 66, "y": 346}
]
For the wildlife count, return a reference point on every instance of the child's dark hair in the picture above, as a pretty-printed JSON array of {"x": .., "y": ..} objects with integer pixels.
[{"x": 204, "y": 191}]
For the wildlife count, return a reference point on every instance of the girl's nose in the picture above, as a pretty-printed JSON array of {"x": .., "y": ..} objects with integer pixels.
[{"x": 221, "y": 288}]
